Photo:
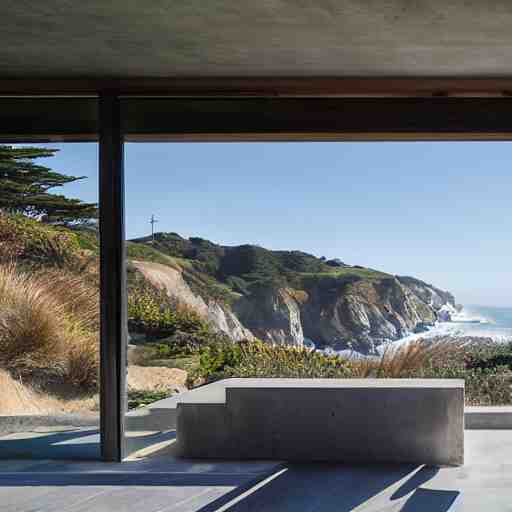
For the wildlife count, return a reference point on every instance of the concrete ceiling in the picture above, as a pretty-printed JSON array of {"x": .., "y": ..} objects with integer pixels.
[{"x": 175, "y": 38}]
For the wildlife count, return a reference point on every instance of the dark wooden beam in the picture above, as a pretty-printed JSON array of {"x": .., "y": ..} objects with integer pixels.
[
  {"x": 273, "y": 118},
  {"x": 113, "y": 338},
  {"x": 264, "y": 86},
  {"x": 48, "y": 119},
  {"x": 316, "y": 118}
]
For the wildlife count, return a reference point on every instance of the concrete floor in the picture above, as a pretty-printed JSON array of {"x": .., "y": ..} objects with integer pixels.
[
  {"x": 162, "y": 482},
  {"x": 71, "y": 443}
]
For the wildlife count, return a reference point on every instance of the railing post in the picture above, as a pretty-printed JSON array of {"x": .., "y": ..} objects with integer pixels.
[{"x": 113, "y": 278}]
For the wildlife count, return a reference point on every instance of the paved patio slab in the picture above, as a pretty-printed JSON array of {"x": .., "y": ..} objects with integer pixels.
[{"x": 164, "y": 482}]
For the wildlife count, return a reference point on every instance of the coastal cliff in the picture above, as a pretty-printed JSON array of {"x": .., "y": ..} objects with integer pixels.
[
  {"x": 171, "y": 280},
  {"x": 287, "y": 297}
]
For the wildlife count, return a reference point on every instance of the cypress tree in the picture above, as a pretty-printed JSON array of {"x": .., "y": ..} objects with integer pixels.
[{"x": 24, "y": 188}]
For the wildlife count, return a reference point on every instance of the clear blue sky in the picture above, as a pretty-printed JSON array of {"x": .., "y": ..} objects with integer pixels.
[{"x": 438, "y": 211}]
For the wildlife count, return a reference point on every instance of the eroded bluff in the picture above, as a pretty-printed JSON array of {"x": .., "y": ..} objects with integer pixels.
[{"x": 352, "y": 313}]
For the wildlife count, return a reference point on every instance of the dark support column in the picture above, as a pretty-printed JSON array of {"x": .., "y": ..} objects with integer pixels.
[{"x": 113, "y": 279}]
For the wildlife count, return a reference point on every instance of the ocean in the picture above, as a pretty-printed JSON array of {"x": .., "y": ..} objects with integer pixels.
[
  {"x": 482, "y": 321},
  {"x": 477, "y": 321}
]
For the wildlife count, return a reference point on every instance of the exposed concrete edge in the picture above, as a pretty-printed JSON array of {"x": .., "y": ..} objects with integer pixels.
[
  {"x": 30, "y": 422},
  {"x": 488, "y": 418},
  {"x": 153, "y": 419},
  {"x": 475, "y": 418},
  {"x": 161, "y": 415}
]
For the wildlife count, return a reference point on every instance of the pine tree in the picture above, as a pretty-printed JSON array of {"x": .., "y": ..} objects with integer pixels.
[{"x": 24, "y": 188}]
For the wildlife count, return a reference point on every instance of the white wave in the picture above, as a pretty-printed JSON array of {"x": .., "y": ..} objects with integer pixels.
[
  {"x": 465, "y": 323},
  {"x": 465, "y": 316}
]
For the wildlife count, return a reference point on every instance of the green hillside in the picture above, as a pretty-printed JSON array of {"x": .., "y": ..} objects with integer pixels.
[{"x": 244, "y": 266}]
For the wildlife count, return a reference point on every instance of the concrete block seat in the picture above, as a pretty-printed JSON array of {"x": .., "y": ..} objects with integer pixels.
[{"x": 419, "y": 421}]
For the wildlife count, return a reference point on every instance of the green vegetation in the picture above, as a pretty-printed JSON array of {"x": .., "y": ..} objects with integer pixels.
[
  {"x": 363, "y": 273},
  {"x": 171, "y": 328},
  {"x": 87, "y": 236},
  {"x": 223, "y": 273},
  {"x": 487, "y": 369},
  {"x": 143, "y": 398},
  {"x": 28, "y": 241},
  {"x": 143, "y": 252},
  {"x": 160, "y": 354},
  {"x": 24, "y": 188},
  {"x": 258, "y": 359},
  {"x": 217, "y": 359},
  {"x": 153, "y": 313},
  {"x": 207, "y": 286}
]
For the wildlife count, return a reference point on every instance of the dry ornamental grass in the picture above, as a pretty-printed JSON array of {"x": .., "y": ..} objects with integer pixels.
[{"x": 49, "y": 326}]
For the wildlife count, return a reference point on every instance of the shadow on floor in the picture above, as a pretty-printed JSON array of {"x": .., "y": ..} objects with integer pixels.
[
  {"x": 275, "y": 487},
  {"x": 134, "y": 443},
  {"x": 338, "y": 488},
  {"x": 239, "y": 487},
  {"x": 77, "y": 444},
  {"x": 429, "y": 500}
]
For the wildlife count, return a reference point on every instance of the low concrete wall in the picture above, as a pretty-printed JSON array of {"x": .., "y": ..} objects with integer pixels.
[
  {"x": 161, "y": 416},
  {"x": 353, "y": 420},
  {"x": 29, "y": 423},
  {"x": 488, "y": 418}
]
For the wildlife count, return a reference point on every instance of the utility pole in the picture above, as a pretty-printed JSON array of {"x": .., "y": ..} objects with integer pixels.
[{"x": 153, "y": 221}]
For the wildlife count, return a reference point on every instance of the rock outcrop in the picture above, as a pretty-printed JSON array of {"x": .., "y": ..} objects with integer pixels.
[
  {"x": 428, "y": 293},
  {"x": 273, "y": 315},
  {"x": 226, "y": 321},
  {"x": 353, "y": 313},
  {"x": 361, "y": 314}
]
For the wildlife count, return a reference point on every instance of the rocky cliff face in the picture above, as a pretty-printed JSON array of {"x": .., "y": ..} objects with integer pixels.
[
  {"x": 427, "y": 293},
  {"x": 363, "y": 313},
  {"x": 283, "y": 297},
  {"x": 273, "y": 315},
  {"x": 356, "y": 313},
  {"x": 171, "y": 280}
]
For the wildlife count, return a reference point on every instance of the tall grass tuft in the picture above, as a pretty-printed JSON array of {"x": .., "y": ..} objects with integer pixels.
[
  {"x": 49, "y": 326},
  {"x": 415, "y": 359}
]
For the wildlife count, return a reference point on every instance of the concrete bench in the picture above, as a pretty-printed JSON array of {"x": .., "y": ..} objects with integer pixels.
[{"x": 344, "y": 420}]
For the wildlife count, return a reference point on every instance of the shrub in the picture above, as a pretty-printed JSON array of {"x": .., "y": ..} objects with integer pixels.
[
  {"x": 238, "y": 285},
  {"x": 257, "y": 359},
  {"x": 49, "y": 326},
  {"x": 261, "y": 360},
  {"x": 143, "y": 398},
  {"x": 27, "y": 240},
  {"x": 217, "y": 359},
  {"x": 176, "y": 327},
  {"x": 490, "y": 356}
]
